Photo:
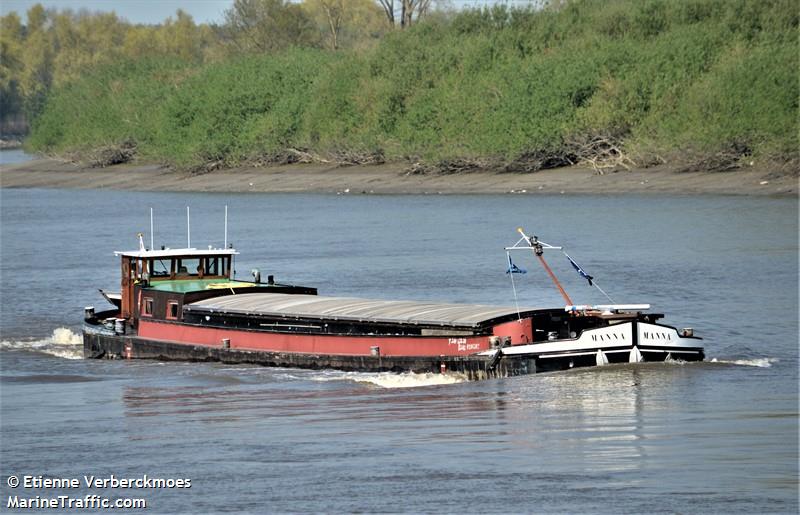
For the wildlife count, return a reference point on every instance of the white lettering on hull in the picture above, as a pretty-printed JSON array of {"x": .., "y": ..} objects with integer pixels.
[
  {"x": 661, "y": 336},
  {"x": 593, "y": 339},
  {"x": 615, "y": 336}
]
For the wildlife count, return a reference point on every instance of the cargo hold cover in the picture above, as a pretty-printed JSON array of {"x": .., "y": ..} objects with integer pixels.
[{"x": 353, "y": 309}]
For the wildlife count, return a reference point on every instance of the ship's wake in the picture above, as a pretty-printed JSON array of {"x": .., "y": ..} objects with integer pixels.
[
  {"x": 63, "y": 343},
  {"x": 393, "y": 380},
  {"x": 755, "y": 362}
]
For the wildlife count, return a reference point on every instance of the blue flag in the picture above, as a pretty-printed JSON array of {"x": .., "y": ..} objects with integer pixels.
[
  {"x": 514, "y": 269},
  {"x": 580, "y": 270}
]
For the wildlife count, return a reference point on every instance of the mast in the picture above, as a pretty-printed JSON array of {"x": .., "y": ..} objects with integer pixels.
[
  {"x": 538, "y": 251},
  {"x": 152, "y": 247}
]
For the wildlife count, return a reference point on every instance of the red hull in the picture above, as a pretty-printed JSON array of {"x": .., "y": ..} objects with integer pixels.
[{"x": 314, "y": 344}]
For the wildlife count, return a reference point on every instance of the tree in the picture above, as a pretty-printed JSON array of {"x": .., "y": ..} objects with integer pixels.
[
  {"x": 37, "y": 17},
  {"x": 334, "y": 10},
  {"x": 268, "y": 26},
  {"x": 410, "y": 11},
  {"x": 141, "y": 41},
  {"x": 347, "y": 23},
  {"x": 180, "y": 37},
  {"x": 59, "y": 46},
  {"x": 37, "y": 59},
  {"x": 11, "y": 65},
  {"x": 81, "y": 41}
]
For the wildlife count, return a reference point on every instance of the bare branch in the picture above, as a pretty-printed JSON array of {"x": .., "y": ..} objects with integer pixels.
[
  {"x": 388, "y": 9},
  {"x": 334, "y": 12},
  {"x": 410, "y": 11}
]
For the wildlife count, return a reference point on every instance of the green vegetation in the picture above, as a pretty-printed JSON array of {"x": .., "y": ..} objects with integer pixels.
[
  {"x": 603, "y": 82},
  {"x": 59, "y": 47}
]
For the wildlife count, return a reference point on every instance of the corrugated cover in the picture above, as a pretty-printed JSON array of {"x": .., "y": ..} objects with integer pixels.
[{"x": 342, "y": 308}]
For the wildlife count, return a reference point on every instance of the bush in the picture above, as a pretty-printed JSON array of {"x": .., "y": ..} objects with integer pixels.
[{"x": 498, "y": 83}]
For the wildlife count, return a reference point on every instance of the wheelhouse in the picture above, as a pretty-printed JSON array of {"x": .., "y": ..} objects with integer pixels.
[{"x": 172, "y": 270}]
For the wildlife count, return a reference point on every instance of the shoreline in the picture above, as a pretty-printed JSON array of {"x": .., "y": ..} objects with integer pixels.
[{"x": 394, "y": 178}]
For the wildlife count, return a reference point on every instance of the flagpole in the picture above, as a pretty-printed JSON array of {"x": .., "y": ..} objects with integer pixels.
[
  {"x": 513, "y": 287},
  {"x": 583, "y": 273}
]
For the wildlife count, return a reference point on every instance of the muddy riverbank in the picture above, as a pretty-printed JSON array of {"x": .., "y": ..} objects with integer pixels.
[{"x": 396, "y": 179}]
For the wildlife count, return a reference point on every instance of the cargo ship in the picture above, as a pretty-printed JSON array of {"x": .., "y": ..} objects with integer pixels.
[{"x": 186, "y": 304}]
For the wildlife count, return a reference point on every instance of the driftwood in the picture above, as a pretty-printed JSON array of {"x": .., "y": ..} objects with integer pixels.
[
  {"x": 451, "y": 166},
  {"x": 358, "y": 157},
  {"x": 111, "y": 155},
  {"x": 529, "y": 162},
  {"x": 601, "y": 152},
  {"x": 722, "y": 161},
  {"x": 291, "y": 155},
  {"x": 206, "y": 167},
  {"x": 418, "y": 168},
  {"x": 463, "y": 165}
]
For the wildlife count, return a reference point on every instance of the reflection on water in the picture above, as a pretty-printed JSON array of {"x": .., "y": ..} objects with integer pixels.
[{"x": 604, "y": 417}]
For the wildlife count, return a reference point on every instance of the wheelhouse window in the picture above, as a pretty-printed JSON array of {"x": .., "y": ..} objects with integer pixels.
[
  {"x": 172, "y": 310},
  {"x": 147, "y": 307},
  {"x": 225, "y": 266},
  {"x": 212, "y": 266},
  {"x": 189, "y": 267},
  {"x": 159, "y": 268}
]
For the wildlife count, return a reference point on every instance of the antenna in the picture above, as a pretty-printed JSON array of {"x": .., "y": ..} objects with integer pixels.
[
  {"x": 188, "y": 230},
  {"x": 152, "y": 247},
  {"x": 225, "y": 245}
]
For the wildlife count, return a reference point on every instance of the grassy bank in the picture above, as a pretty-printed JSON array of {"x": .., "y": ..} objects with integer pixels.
[{"x": 605, "y": 82}]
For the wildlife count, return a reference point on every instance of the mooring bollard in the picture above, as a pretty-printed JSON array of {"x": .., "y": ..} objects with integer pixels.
[
  {"x": 226, "y": 343},
  {"x": 375, "y": 351}
]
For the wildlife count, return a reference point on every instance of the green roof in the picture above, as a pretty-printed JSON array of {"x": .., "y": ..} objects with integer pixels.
[{"x": 190, "y": 285}]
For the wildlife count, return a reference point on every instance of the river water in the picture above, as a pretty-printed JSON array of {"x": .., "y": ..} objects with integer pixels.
[
  {"x": 10, "y": 156},
  {"x": 719, "y": 436}
]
